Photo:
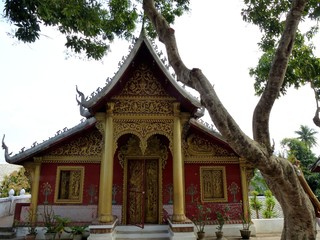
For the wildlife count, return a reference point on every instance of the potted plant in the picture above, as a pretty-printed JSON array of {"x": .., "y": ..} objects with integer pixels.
[
  {"x": 222, "y": 217},
  {"x": 77, "y": 232},
  {"x": 53, "y": 224},
  {"x": 31, "y": 220},
  {"x": 246, "y": 223},
  {"x": 200, "y": 219},
  {"x": 32, "y": 233}
]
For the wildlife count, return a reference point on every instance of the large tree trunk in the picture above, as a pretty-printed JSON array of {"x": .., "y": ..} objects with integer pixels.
[
  {"x": 280, "y": 174},
  {"x": 298, "y": 211}
]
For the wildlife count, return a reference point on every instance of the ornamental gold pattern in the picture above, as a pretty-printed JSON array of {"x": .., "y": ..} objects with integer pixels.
[
  {"x": 154, "y": 149},
  {"x": 87, "y": 145},
  {"x": 143, "y": 83},
  {"x": 143, "y": 106},
  {"x": 196, "y": 145},
  {"x": 143, "y": 129},
  {"x": 152, "y": 191}
]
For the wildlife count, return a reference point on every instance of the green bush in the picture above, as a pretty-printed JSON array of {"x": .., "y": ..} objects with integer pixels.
[
  {"x": 270, "y": 202},
  {"x": 16, "y": 180}
]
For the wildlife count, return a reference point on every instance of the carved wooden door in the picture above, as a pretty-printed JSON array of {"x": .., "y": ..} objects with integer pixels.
[{"x": 143, "y": 192}]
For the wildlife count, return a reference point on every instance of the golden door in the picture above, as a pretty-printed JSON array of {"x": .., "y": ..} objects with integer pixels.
[{"x": 142, "y": 192}]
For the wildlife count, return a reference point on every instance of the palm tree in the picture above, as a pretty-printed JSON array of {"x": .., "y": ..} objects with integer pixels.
[{"x": 307, "y": 136}]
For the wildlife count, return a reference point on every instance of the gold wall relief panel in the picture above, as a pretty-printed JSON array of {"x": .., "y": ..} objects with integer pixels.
[
  {"x": 213, "y": 184},
  {"x": 88, "y": 145}
]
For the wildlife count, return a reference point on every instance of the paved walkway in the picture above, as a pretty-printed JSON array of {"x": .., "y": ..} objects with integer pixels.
[{"x": 263, "y": 237}]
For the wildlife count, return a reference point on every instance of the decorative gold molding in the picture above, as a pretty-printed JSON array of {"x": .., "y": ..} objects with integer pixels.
[
  {"x": 196, "y": 145},
  {"x": 86, "y": 145},
  {"x": 75, "y": 184},
  {"x": 209, "y": 159},
  {"x": 213, "y": 184},
  {"x": 71, "y": 159},
  {"x": 143, "y": 106}
]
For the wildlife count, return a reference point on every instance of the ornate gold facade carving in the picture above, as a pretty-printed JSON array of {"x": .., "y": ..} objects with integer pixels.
[
  {"x": 149, "y": 165},
  {"x": 142, "y": 191},
  {"x": 133, "y": 149},
  {"x": 198, "y": 148},
  {"x": 143, "y": 83},
  {"x": 213, "y": 184},
  {"x": 87, "y": 145},
  {"x": 143, "y": 106},
  {"x": 143, "y": 129}
]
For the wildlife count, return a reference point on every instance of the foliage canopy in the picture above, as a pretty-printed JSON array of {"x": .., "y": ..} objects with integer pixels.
[
  {"x": 89, "y": 25},
  {"x": 304, "y": 65}
]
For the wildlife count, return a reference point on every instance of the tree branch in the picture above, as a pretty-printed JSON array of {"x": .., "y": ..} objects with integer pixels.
[
  {"x": 260, "y": 121},
  {"x": 196, "y": 79}
]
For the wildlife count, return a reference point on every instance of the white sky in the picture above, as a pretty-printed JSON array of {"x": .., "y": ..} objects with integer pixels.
[{"x": 37, "y": 82}]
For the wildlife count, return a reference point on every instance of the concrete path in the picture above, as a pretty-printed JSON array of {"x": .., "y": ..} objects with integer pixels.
[{"x": 264, "y": 237}]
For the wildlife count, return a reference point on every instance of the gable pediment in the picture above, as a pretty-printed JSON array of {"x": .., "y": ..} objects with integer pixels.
[
  {"x": 142, "y": 73},
  {"x": 143, "y": 94}
]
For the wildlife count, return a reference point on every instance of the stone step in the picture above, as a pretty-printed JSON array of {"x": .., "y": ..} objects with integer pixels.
[
  {"x": 7, "y": 233},
  {"x": 148, "y": 233}
]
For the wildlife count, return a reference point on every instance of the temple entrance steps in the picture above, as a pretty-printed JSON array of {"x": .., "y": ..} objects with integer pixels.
[
  {"x": 149, "y": 232},
  {"x": 7, "y": 233}
]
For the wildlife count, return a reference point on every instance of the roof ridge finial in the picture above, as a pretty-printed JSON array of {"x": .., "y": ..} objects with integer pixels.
[{"x": 6, "y": 149}]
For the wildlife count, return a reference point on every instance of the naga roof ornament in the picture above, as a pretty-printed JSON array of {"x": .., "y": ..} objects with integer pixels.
[{"x": 38, "y": 147}]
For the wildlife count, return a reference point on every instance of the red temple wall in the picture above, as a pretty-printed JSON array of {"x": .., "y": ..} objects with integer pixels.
[
  {"x": 192, "y": 177},
  {"x": 167, "y": 181}
]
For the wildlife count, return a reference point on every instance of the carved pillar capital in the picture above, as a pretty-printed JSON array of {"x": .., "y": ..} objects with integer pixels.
[
  {"x": 176, "y": 109},
  {"x": 110, "y": 108},
  {"x": 101, "y": 122}
]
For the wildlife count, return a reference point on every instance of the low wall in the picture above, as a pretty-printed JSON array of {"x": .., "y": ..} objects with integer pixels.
[
  {"x": 8, "y": 204},
  {"x": 264, "y": 226}
]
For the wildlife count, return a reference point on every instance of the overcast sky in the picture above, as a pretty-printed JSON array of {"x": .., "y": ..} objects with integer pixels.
[{"x": 37, "y": 86}]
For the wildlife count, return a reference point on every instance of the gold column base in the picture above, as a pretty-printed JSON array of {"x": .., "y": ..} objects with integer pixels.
[
  {"x": 179, "y": 218},
  {"x": 104, "y": 218}
]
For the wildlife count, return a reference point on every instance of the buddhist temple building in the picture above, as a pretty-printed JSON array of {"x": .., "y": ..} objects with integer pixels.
[{"x": 141, "y": 157}]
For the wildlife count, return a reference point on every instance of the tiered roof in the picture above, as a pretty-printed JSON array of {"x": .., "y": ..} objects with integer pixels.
[{"x": 141, "y": 50}]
